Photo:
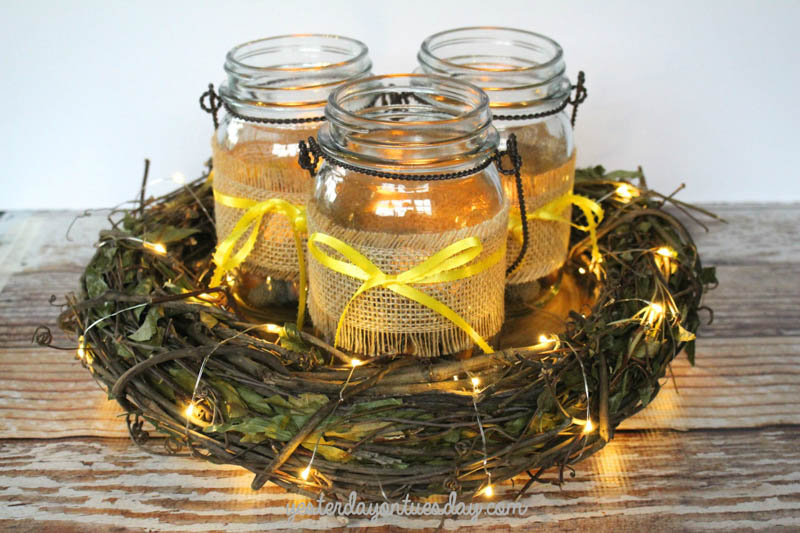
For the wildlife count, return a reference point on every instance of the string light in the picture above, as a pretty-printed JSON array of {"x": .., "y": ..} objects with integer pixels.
[
  {"x": 273, "y": 328},
  {"x": 156, "y": 247},
  {"x": 81, "y": 346},
  {"x": 190, "y": 411},
  {"x": 588, "y": 425},
  {"x": 581, "y": 270},
  {"x": 178, "y": 178},
  {"x": 476, "y": 381},
  {"x": 488, "y": 491},
  {"x": 356, "y": 362},
  {"x": 455, "y": 378},
  {"x": 306, "y": 472},
  {"x": 664, "y": 260},
  {"x": 625, "y": 192},
  {"x": 666, "y": 251}
]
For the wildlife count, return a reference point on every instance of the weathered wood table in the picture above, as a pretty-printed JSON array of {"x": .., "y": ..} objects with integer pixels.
[{"x": 721, "y": 451}]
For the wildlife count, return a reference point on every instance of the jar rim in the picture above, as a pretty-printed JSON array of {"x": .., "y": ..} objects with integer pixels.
[
  {"x": 429, "y": 46},
  {"x": 440, "y": 121},
  {"x": 235, "y": 57},
  {"x": 335, "y": 109}
]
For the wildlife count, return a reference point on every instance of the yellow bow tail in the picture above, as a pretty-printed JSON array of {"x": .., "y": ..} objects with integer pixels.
[
  {"x": 449, "y": 264},
  {"x": 553, "y": 211},
  {"x": 226, "y": 259}
]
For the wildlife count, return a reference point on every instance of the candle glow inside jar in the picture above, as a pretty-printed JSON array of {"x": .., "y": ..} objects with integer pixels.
[
  {"x": 524, "y": 74},
  {"x": 275, "y": 95},
  {"x": 414, "y": 126}
]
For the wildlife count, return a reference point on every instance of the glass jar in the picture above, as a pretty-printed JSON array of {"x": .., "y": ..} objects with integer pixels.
[
  {"x": 524, "y": 74},
  {"x": 410, "y": 126},
  {"x": 274, "y": 95}
]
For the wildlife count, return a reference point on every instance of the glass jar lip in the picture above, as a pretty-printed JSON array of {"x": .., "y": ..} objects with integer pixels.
[
  {"x": 428, "y": 48},
  {"x": 234, "y": 56},
  {"x": 334, "y": 110},
  {"x": 455, "y": 114}
]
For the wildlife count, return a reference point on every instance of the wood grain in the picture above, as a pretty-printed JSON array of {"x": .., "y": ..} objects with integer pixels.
[
  {"x": 662, "y": 481},
  {"x": 735, "y": 465}
]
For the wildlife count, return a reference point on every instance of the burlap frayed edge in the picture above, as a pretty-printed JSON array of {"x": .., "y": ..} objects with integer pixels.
[{"x": 441, "y": 336}]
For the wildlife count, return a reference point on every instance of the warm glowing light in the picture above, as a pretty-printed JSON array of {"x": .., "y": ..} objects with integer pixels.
[
  {"x": 306, "y": 472},
  {"x": 356, "y": 362},
  {"x": 190, "y": 410},
  {"x": 273, "y": 328},
  {"x": 178, "y": 178},
  {"x": 488, "y": 491},
  {"x": 657, "y": 308},
  {"x": 589, "y": 427},
  {"x": 581, "y": 270},
  {"x": 665, "y": 251},
  {"x": 81, "y": 348},
  {"x": 455, "y": 378},
  {"x": 156, "y": 247},
  {"x": 626, "y": 192},
  {"x": 476, "y": 382}
]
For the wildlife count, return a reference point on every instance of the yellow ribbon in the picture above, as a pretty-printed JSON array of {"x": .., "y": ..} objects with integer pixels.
[
  {"x": 226, "y": 259},
  {"x": 553, "y": 211},
  {"x": 448, "y": 264}
]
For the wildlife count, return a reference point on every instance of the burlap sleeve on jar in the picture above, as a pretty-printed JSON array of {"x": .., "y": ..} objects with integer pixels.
[
  {"x": 548, "y": 239},
  {"x": 247, "y": 172},
  {"x": 380, "y": 321}
]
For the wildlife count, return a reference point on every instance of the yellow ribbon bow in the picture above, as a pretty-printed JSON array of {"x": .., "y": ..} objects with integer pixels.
[
  {"x": 446, "y": 265},
  {"x": 224, "y": 256},
  {"x": 552, "y": 211}
]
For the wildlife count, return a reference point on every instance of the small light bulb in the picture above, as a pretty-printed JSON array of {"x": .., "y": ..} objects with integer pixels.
[
  {"x": 230, "y": 279},
  {"x": 189, "y": 412},
  {"x": 178, "y": 178},
  {"x": 664, "y": 251},
  {"x": 156, "y": 247},
  {"x": 488, "y": 491},
  {"x": 455, "y": 378},
  {"x": 476, "y": 382},
  {"x": 625, "y": 192},
  {"x": 589, "y": 427},
  {"x": 543, "y": 339},
  {"x": 657, "y": 308},
  {"x": 306, "y": 472},
  {"x": 81, "y": 348},
  {"x": 581, "y": 270},
  {"x": 356, "y": 362},
  {"x": 273, "y": 328}
]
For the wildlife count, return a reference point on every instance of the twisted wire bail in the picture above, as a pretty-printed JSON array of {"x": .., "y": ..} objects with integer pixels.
[
  {"x": 580, "y": 96},
  {"x": 308, "y": 156},
  {"x": 516, "y": 165},
  {"x": 214, "y": 104}
]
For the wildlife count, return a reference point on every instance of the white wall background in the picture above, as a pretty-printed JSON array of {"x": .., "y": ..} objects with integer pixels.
[{"x": 702, "y": 92}]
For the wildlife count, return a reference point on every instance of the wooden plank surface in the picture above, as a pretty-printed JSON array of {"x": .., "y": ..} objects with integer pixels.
[
  {"x": 661, "y": 481},
  {"x": 734, "y": 465}
]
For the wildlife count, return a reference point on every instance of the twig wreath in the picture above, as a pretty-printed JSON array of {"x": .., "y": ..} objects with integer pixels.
[{"x": 296, "y": 411}]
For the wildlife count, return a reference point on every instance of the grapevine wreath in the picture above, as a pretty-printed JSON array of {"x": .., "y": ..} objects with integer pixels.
[{"x": 187, "y": 362}]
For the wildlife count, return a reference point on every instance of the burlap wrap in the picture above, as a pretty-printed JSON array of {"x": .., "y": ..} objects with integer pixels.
[
  {"x": 380, "y": 321},
  {"x": 549, "y": 240},
  {"x": 247, "y": 171}
]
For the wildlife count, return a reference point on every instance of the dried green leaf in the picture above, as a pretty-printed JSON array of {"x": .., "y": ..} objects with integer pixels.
[{"x": 149, "y": 327}]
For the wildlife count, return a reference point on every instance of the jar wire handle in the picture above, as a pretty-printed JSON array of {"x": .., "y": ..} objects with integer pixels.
[
  {"x": 214, "y": 104},
  {"x": 516, "y": 164}
]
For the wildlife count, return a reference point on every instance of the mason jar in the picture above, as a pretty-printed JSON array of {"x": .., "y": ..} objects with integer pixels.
[
  {"x": 524, "y": 75},
  {"x": 405, "y": 180},
  {"x": 274, "y": 96}
]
